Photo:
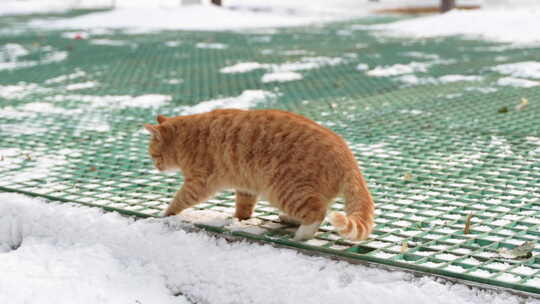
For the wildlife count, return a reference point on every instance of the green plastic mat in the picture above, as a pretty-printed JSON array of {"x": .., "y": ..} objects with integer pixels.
[{"x": 434, "y": 148}]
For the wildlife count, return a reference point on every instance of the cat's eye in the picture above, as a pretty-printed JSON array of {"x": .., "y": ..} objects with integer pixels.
[{"x": 155, "y": 155}]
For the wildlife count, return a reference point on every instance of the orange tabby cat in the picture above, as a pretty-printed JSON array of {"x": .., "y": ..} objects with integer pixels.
[{"x": 299, "y": 166}]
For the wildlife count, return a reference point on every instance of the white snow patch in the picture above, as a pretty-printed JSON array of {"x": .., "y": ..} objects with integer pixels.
[
  {"x": 415, "y": 80},
  {"x": 251, "y": 225},
  {"x": 295, "y": 52},
  {"x": 62, "y": 78},
  {"x": 285, "y": 71},
  {"x": 36, "y": 165},
  {"x": 20, "y": 90},
  {"x": 81, "y": 86},
  {"x": 145, "y": 101},
  {"x": 116, "y": 101},
  {"x": 362, "y": 67},
  {"x": 410, "y": 79},
  {"x": 173, "y": 43},
  {"x": 20, "y": 129},
  {"x": 10, "y": 56},
  {"x": 528, "y": 69},
  {"x": 75, "y": 35},
  {"x": 308, "y": 63},
  {"x": 110, "y": 42},
  {"x": 12, "y": 51},
  {"x": 208, "y": 45},
  {"x": 54, "y": 56},
  {"x": 207, "y": 217},
  {"x": 498, "y": 24},
  {"x": 243, "y": 67},
  {"x": 45, "y": 107},
  {"x": 457, "y": 78},
  {"x": 233, "y": 15},
  {"x": 484, "y": 90},
  {"x": 246, "y": 100},
  {"x": 376, "y": 150},
  {"x": 398, "y": 69},
  {"x": 517, "y": 82},
  {"x": 281, "y": 77},
  {"x": 72, "y": 253},
  {"x": 174, "y": 81}
]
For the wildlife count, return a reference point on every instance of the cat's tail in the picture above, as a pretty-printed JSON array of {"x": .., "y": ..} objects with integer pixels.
[{"x": 359, "y": 206}]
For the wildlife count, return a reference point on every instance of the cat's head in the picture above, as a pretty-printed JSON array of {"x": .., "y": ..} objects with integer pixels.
[{"x": 160, "y": 148}]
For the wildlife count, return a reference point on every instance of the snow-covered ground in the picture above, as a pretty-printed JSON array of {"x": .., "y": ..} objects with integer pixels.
[
  {"x": 65, "y": 253},
  {"x": 503, "y": 21},
  {"x": 499, "y": 20},
  {"x": 234, "y": 15},
  {"x": 10, "y": 7}
]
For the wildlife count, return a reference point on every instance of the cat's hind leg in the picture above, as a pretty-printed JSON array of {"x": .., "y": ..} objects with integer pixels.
[
  {"x": 245, "y": 203},
  {"x": 193, "y": 191},
  {"x": 287, "y": 219},
  {"x": 311, "y": 211},
  {"x": 306, "y": 232}
]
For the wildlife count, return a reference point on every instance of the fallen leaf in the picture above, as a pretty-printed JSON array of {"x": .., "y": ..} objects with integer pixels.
[
  {"x": 467, "y": 228},
  {"x": 523, "y": 105},
  {"x": 520, "y": 252},
  {"x": 404, "y": 247},
  {"x": 503, "y": 110}
]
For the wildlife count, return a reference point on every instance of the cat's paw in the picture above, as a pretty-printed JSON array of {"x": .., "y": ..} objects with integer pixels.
[
  {"x": 306, "y": 232},
  {"x": 168, "y": 213}
]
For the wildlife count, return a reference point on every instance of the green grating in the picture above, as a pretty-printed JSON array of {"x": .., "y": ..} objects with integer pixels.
[{"x": 433, "y": 151}]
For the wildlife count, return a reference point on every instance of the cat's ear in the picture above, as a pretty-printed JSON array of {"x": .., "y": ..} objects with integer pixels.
[
  {"x": 161, "y": 118},
  {"x": 154, "y": 131}
]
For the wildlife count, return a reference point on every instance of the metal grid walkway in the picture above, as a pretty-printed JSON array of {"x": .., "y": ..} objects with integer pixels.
[{"x": 434, "y": 148}]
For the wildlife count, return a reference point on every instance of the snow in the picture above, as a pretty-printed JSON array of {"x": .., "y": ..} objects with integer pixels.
[
  {"x": 484, "y": 90},
  {"x": 184, "y": 18},
  {"x": 174, "y": 81},
  {"x": 517, "y": 82},
  {"x": 457, "y": 78},
  {"x": 11, "y": 51},
  {"x": 11, "y": 56},
  {"x": 20, "y": 90},
  {"x": 285, "y": 71},
  {"x": 528, "y": 69},
  {"x": 22, "y": 7},
  {"x": 35, "y": 167},
  {"x": 233, "y": 15},
  {"x": 507, "y": 22},
  {"x": 205, "y": 45},
  {"x": 109, "y": 42},
  {"x": 173, "y": 43},
  {"x": 167, "y": 14},
  {"x": 62, "y": 78},
  {"x": 81, "y": 86},
  {"x": 362, "y": 67},
  {"x": 398, "y": 69},
  {"x": 309, "y": 63},
  {"x": 246, "y": 100},
  {"x": 116, "y": 101},
  {"x": 410, "y": 79},
  {"x": 243, "y": 67},
  {"x": 281, "y": 77},
  {"x": 64, "y": 253}
]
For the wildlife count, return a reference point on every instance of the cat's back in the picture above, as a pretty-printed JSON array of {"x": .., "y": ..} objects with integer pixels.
[
  {"x": 268, "y": 123},
  {"x": 270, "y": 132}
]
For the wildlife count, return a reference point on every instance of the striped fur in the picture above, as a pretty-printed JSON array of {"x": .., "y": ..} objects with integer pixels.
[{"x": 299, "y": 166}]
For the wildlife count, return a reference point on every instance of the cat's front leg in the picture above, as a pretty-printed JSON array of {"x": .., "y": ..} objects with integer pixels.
[
  {"x": 194, "y": 191},
  {"x": 245, "y": 203}
]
